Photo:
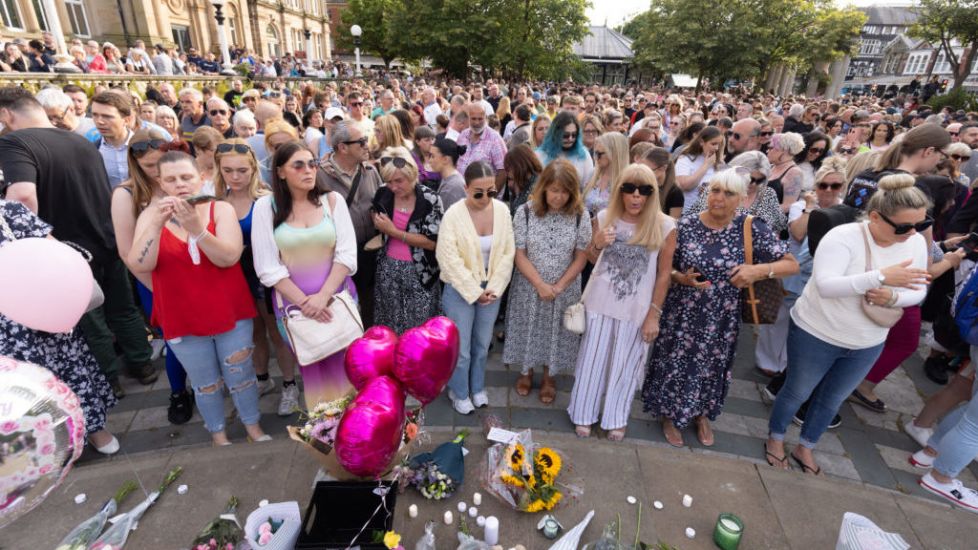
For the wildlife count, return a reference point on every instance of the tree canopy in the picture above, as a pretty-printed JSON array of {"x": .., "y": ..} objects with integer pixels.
[{"x": 947, "y": 24}]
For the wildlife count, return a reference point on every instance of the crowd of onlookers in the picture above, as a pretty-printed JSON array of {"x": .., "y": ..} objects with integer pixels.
[{"x": 504, "y": 206}]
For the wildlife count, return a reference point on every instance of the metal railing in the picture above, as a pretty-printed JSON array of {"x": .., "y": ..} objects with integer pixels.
[{"x": 37, "y": 81}]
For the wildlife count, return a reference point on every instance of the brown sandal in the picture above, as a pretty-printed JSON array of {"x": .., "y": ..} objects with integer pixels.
[
  {"x": 548, "y": 391},
  {"x": 704, "y": 432},
  {"x": 524, "y": 384}
]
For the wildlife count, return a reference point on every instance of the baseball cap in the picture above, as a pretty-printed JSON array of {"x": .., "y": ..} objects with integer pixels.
[{"x": 334, "y": 112}]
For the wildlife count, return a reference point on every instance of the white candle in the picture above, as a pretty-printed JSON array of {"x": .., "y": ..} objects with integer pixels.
[
  {"x": 480, "y": 521},
  {"x": 462, "y": 507},
  {"x": 473, "y": 511},
  {"x": 730, "y": 525},
  {"x": 658, "y": 505},
  {"x": 492, "y": 530},
  {"x": 690, "y": 532},
  {"x": 413, "y": 510},
  {"x": 687, "y": 501},
  {"x": 449, "y": 518},
  {"x": 477, "y": 499}
]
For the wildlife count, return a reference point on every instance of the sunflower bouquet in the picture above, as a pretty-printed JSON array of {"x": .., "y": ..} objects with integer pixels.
[{"x": 524, "y": 475}]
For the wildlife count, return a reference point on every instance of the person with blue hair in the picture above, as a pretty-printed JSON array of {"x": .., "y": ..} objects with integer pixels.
[{"x": 564, "y": 140}]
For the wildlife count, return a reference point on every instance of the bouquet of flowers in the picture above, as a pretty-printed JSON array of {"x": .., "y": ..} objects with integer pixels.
[
  {"x": 223, "y": 532},
  {"x": 274, "y": 526},
  {"x": 524, "y": 475},
  {"x": 436, "y": 475},
  {"x": 115, "y": 537},
  {"x": 87, "y": 531},
  {"x": 319, "y": 429}
]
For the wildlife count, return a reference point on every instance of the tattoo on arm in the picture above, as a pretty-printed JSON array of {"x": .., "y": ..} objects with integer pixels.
[
  {"x": 145, "y": 251},
  {"x": 792, "y": 186}
]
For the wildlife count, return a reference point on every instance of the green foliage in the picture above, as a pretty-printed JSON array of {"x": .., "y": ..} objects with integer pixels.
[
  {"x": 942, "y": 22},
  {"x": 955, "y": 99},
  {"x": 374, "y": 18}
]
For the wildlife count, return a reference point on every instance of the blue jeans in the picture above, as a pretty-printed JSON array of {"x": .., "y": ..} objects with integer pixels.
[
  {"x": 475, "y": 325},
  {"x": 209, "y": 365},
  {"x": 825, "y": 372},
  {"x": 956, "y": 437}
]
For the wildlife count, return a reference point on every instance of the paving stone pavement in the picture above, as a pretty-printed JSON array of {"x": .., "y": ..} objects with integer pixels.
[{"x": 868, "y": 448}]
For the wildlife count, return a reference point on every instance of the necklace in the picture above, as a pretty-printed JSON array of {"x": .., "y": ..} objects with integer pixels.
[{"x": 402, "y": 210}]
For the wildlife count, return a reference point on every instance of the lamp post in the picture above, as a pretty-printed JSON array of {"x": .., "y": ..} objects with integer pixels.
[
  {"x": 356, "y": 32},
  {"x": 222, "y": 39},
  {"x": 308, "y": 34}
]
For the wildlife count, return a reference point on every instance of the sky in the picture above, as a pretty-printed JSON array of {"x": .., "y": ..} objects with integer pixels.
[{"x": 617, "y": 11}]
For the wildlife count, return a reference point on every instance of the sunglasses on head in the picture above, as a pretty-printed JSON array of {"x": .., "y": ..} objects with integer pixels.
[
  {"x": 961, "y": 158},
  {"x": 311, "y": 164},
  {"x": 239, "y": 148},
  {"x": 479, "y": 194},
  {"x": 570, "y": 135},
  {"x": 143, "y": 146},
  {"x": 832, "y": 186},
  {"x": 397, "y": 161},
  {"x": 904, "y": 228},
  {"x": 630, "y": 188},
  {"x": 215, "y": 112},
  {"x": 362, "y": 141}
]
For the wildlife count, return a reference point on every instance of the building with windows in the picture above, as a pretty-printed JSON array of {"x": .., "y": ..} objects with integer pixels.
[
  {"x": 608, "y": 52},
  {"x": 267, "y": 28},
  {"x": 883, "y": 25}
]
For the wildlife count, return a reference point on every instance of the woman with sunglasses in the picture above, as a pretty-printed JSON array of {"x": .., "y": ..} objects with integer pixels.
[
  {"x": 632, "y": 248},
  {"x": 237, "y": 182},
  {"x": 128, "y": 201},
  {"x": 675, "y": 129},
  {"x": 409, "y": 215},
  {"x": 305, "y": 249},
  {"x": 689, "y": 368},
  {"x": 832, "y": 343},
  {"x": 565, "y": 140},
  {"x": 191, "y": 250},
  {"x": 761, "y": 201},
  {"x": 809, "y": 160},
  {"x": 958, "y": 154},
  {"x": 475, "y": 252},
  {"x": 552, "y": 233}
]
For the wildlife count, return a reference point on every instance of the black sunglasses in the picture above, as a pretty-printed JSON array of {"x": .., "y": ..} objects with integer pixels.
[
  {"x": 143, "y": 146},
  {"x": 757, "y": 180},
  {"x": 630, "y": 188},
  {"x": 479, "y": 194},
  {"x": 356, "y": 104},
  {"x": 215, "y": 112},
  {"x": 961, "y": 158},
  {"x": 767, "y": 134},
  {"x": 362, "y": 141},
  {"x": 239, "y": 148},
  {"x": 816, "y": 150},
  {"x": 904, "y": 228},
  {"x": 310, "y": 164},
  {"x": 570, "y": 135},
  {"x": 397, "y": 161},
  {"x": 846, "y": 150},
  {"x": 832, "y": 186}
]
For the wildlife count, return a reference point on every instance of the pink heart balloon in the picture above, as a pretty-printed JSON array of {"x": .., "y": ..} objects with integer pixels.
[
  {"x": 425, "y": 358},
  {"x": 370, "y": 431},
  {"x": 49, "y": 289},
  {"x": 370, "y": 356}
]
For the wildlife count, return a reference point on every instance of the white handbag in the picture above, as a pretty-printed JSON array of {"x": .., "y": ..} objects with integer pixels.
[
  {"x": 575, "y": 318},
  {"x": 313, "y": 341}
]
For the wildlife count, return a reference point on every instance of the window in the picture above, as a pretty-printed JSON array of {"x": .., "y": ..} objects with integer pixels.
[
  {"x": 42, "y": 16},
  {"x": 181, "y": 36},
  {"x": 917, "y": 64},
  {"x": 232, "y": 27},
  {"x": 10, "y": 15},
  {"x": 870, "y": 47},
  {"x": 274, "y": 47},
  {"x": 77, "y": 18}
]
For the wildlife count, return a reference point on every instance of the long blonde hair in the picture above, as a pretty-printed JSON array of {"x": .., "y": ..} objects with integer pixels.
[
  {"x": 616, "y": 147},
  {"x": 503, "y": 109},
  {"x": 255, "y": 188},
  {"x": 648, "y": 230},
  {"x": 388, "y": 129}
]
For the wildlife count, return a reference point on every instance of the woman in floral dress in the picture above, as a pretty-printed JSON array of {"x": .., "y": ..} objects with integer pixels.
[
  {"x": 551, "y": 234},
  {"x": 65, "y": 355},
  {"x": 690, "y": 364}
]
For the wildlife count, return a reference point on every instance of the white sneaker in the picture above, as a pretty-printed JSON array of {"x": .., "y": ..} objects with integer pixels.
[
  {"x": 290, "y": 400},
  {"x": 463, "y": 406},
  {"x": 920, "y": 435},
  {"x": 921, "y": 459},
  {"x": 955, "y": 491},
  {"x": 480, "y": 399},
  {"x": 265, "y": 386}
]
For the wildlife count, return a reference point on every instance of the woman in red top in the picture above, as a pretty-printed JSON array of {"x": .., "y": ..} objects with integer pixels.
[{"x": 200, "y": 297}]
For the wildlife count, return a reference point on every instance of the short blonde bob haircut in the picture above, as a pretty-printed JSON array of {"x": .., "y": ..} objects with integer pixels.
[{"x": 388, "y": 170}]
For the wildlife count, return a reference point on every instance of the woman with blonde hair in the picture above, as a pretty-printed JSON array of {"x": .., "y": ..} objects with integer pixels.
[
  {"x": 387, "y": 134},
  {"x": 610, "y": 159},
  {"x": 409, "y": 216},
  {"x": 591, "y": 128},
  {"x": 632, "y": 248},
  {"x": 689, "y": 368},
  {"x": 277, "y": 133},
  {"x": 166, "y": 117},
  {"x": 660, "y": 162},
  {"x": 205, "y": 140},
  {"x": 503, "y": 112},
  {"x": 551, "y": 233},
  {"x": 540, "y": 127}
]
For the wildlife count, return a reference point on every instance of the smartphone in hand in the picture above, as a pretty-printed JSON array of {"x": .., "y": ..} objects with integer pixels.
[{"x": 200, "y": 199}]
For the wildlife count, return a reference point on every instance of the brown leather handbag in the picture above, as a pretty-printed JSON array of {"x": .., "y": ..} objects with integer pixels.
[{"x": 761, "y": 300}]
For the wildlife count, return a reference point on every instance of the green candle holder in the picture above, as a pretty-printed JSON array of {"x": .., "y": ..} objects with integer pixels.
[{"x": 728, "y": 531}]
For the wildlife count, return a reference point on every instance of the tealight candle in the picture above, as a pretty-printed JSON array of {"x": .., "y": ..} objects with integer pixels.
[
  {"x": 658, "y": 505},
  {"x": 462, "y": 507},
  {"x": 480, "y": 521},
  {"x": 413, "y": 510},
  {"x": 477, "y": 499},
  {"x": 492, "y": 530},
  {"x": 473, "y": 511},
  {"x": 690, "y": 532},
  {"x": 687, "y": 501},
  {"x": 728, "y": 531},
  {"x": 449, "y": 518}
]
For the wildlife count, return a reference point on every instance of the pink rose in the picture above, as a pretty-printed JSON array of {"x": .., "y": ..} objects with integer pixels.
[
  {"x": 9, "y": 427},
  {"x": 47, "y": 449},
  {"x": 265, "y": 538},
  {"x": 46, "y": 469}
]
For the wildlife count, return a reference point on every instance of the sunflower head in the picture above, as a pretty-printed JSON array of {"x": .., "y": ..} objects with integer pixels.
[
  {"x": 548, "y": 464},
  {"x": 517, "y": 455}
]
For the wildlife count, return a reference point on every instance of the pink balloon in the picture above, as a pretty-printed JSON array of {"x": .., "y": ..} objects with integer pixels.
[
  {"x": 425, "y": 358},
  {"x": 370, "y": 356},
  {"x": 50, "y": 287},
  {"x": 370, "y": 431}
]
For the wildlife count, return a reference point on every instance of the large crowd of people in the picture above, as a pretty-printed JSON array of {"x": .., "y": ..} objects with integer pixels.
[{"x": 670, "y": 218}]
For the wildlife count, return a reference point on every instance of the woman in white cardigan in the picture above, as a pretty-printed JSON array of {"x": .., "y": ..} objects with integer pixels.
[{"x": 475, "y": 253}]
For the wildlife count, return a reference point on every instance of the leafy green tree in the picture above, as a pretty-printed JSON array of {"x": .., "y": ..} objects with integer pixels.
[
  {"x": 944, "y": 22},
  {"x": 374, "y": 19}
]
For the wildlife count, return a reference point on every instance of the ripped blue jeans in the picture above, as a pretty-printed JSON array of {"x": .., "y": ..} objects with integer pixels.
[{"x": 215, "y": 362}]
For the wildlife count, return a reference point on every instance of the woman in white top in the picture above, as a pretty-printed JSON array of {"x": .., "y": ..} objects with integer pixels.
[
  {"x": 699, "y": 161},
  {"x": 610, "y": 158},
  {"x": 832, "y": 342},
  {"x": 632, "y": 249}
]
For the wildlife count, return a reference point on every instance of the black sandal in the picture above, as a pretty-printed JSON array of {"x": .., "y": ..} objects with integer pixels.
[
  {"x": 876, "y": 406},
  {"x": 805, "y": 467},
  {"x": 780, "y": 460}
]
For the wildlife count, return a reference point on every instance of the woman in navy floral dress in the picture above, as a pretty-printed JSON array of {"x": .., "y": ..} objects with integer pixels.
[{"x": 689, "y": 367}]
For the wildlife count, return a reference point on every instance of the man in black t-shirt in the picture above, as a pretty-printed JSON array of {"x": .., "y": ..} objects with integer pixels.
[{"x": 58, "y": 175}]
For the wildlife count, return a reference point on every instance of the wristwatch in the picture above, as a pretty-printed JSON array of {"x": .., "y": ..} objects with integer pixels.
[
  {"x": 881, "y": 277},
  {"x": 770, "y": 271}
]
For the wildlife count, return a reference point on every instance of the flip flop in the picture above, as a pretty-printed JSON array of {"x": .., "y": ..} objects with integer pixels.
[
  {"x": 805, "y": 467},
  {"x": 679, "y": 444},
  {"x": 548, "y": 391},
  {"x": 524, "y": 384},
  {"x": 783, "y": 460},
  {"x": 706, "y": 442}
]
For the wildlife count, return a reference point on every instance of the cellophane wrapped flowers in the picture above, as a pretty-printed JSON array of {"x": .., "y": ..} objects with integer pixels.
[
  {"x": 524, "y": 475},
  {"x": 223, "y": 532}
]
